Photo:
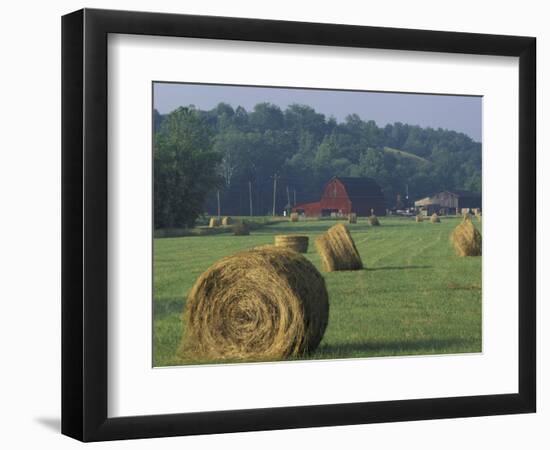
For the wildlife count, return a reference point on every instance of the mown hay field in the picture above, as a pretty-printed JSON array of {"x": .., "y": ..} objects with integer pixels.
[{"x": 413, "y": 297}]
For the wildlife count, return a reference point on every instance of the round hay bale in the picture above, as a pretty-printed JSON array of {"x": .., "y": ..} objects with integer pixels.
[
  {"x": 352, "y": 217},
  {"x": 227, "y": 221},
  {"x": 419, "y": 218},
  {"x": 466, "y": 238},
  {"x": 294, "y": 217},
  {"x": 373, "y": 220},
  {"x": 337, "y": 250},
  {"x": 262, "y": 304},
  {"x": 435, "y": 218},
  {"x": 292, "y": 241},
  {"x": 214, "y": 222},
  {"x": 241, "y": 229}
]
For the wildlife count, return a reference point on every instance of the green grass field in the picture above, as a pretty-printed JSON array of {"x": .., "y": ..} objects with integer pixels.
[{"x": 414, "y": 296}]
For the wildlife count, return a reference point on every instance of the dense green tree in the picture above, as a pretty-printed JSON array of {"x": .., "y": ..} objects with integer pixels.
[{"x": 185, "y": 168}]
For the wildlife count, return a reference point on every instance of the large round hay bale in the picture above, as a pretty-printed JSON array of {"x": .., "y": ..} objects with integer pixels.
[
  {"x": 435, "y": 218},
  {"x": 268, "y": 303},
  {"x": 373, "y": 220},
  {"x": 466, "y": 238},
  {"x": 419, "y": 218},
  {"x": 214, "y": 222},
  {"x": 292, "y": 241},
  {"x": 241, "y": 229},
  {"x": 294, "y": 217},
  {"x": 337, "y": 250},
  {"x": 227, "y": 221},
  {"x": 352, "y": 217}
]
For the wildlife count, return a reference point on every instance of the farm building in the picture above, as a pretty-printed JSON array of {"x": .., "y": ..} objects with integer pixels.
[
  {"x": 343, "y": 195},
  {"x": 448, "y": 202}
]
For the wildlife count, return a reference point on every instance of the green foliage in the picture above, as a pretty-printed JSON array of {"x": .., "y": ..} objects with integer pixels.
[
  {"x": 196, "y": 149},
  {"x": 184, "y": 168}
]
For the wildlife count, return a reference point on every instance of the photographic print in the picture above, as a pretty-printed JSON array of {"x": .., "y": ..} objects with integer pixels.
[{"x": 314, "y": 224}]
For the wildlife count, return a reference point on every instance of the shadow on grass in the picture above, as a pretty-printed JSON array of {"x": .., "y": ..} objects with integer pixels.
[
  {"x": 397, "y": 268},
  {"x": 168, "y": 306},
  {"x": 398, "y": 347}
]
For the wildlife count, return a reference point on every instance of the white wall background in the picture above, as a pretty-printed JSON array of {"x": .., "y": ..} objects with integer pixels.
[{"x": 30, "y": 221}]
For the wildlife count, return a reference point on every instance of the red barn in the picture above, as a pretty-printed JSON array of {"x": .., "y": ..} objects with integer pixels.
[{"x": 343, "y": 195}]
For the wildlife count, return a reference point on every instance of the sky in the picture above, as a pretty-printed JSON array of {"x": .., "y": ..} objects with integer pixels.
[{"x": 452, "y": 112}]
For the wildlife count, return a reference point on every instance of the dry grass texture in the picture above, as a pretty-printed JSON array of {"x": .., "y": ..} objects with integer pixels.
[
  {"x": 263, "y": 304},
  {"x": 294, "y": 217},
  {"x": 337, "y": 250},
  {"x": 466, "y": 238},
  {"x": 227, "y": 221},
  {"x": 352, "y": 218},
  {"x": 435, "y": 218},
  {"x": 293, "y": 242},
  {"x": 214, "y": 222},
  {"x": 241, "y": 229},
  {"x": 373, "y": 220}
]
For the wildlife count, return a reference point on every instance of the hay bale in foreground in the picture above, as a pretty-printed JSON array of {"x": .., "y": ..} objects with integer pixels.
[
  {"x": 214, "y": 222},
  {"x": 352, "y": 217},
  {"x": 227, "y": 221},
  {"x": 419, "y": 218},
  {"x": 294, "y": 217},
  {"x": 293, "y": 242},
  {"x": 262, "y": 304},
  {"x": 466, "y": 238},
  {"x": 373, "y": 220},
  {"x": 435, "y": 218},
  {"x": 241, "y": 229},
  {"x": 337, "y": 250}
]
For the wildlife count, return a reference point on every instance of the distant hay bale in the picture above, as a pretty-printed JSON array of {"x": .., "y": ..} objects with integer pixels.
[
  {"x": 352, "y": 217},
  {"x": 419, "y": 218},
  {"x": 294, "y": 217},
  {"x": 337, "y": 250},
  {"x": 373, "y": 220},
  {"x": 262, "y": 304},
  {"x": 466, "y": 238},
  {"x": 227, "y": 221},
  {"x": 435, "y": 218},
  {"x": 241, "y": 229},
  {"x": 214, "y": 222},
  {"x": 292, "y": 241}
]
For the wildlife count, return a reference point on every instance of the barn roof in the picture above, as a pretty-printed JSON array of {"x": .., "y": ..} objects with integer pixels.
[{"x": 360, "y": 186}]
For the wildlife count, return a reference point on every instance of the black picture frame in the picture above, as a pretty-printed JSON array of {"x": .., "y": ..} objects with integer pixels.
[{"x": 84, "y": 224}]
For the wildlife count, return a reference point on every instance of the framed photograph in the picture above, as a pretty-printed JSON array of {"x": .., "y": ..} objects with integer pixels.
[{"x": 273, "y": 224}]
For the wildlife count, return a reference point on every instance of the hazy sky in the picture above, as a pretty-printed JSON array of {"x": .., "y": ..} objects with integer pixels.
[{"x": 459, "y": 113}]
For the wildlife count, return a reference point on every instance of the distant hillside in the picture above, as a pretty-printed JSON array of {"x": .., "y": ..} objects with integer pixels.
[
  {"x": 404, "y": 154},
  {"x": 246, "y": 155}
]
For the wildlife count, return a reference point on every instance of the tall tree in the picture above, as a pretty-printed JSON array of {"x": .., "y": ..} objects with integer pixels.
[{"x": 184, "y": 168}]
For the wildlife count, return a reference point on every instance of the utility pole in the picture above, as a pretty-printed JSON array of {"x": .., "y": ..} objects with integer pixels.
[
  {"x": 250, "y": 195},
  {"x": 219, "y": 208},
  {"x": 275, "y": 176},
  {"x": 294, "y": 197},
  {"x": 288, "y": 197}
]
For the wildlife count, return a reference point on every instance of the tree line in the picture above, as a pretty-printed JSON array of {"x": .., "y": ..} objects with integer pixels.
[{"x": 200, "y": 155}]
